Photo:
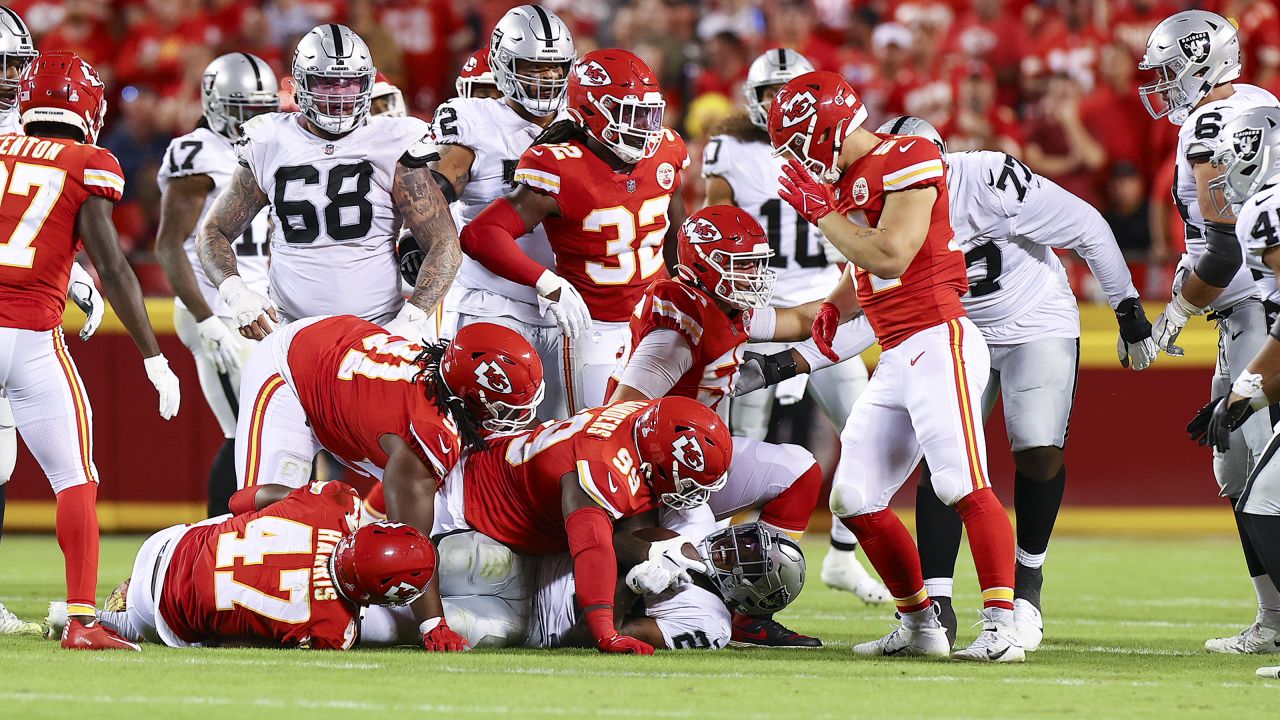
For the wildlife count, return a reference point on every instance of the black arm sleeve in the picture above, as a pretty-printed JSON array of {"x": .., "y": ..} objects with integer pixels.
[
  {"x": 1222, "y": 257},
  {"x": 446, "y": 187}
]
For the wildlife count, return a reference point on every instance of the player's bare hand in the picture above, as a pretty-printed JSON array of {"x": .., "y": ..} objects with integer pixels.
[
  {"x": 619, "y": 644},
  {"x": 799, "y": 188},
  {"x": 253, "y": 312},
  {"x": 166, "y": 384},
  {"x": 437, "y": 636},
  {"x": 824, "y": 329}
]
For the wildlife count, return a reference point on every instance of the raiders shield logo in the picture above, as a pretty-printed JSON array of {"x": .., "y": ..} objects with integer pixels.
[
  {"x": 1246, "y": 143},
  {"x": 799, "y": 108},
  {"x": 1195, "y": 46}
]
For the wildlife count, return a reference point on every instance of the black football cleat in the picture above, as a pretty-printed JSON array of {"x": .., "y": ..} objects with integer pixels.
[{"x": 767, "y": 633}]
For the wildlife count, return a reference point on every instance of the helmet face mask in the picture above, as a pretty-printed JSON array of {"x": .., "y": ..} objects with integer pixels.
[
  {"x": 333, "y": 74},
  {"x": 723, "y": 250},
  {"x": 756, "y": 571},
  {"x": 528, "y": 46},
  {"x": 1248, "y": 158},
  {"x": 684, "y": 451},
  {"x": 810, "y": 118},
  {"x": 476, "y": 79},
  {"x": 634, "y": 129},
  {"x": 496, "y": 376}
]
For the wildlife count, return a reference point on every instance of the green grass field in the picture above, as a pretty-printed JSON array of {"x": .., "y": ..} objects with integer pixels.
[{"x": 1126, "y": 620}]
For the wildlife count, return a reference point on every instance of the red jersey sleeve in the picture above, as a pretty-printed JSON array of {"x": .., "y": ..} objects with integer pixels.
[
  {"x": 621, "y": 494},
  {"x": 671, "y": 305},
  {"x": 679, "y": 151},
  {"x": 539, "y": 167},
  {"x": 911, "y": 163},
  {"x": 435, "y": 441},
  {"x": 102, "y": 175}
]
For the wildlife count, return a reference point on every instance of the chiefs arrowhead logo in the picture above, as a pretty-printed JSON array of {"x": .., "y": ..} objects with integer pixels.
[
  {"x": 493, "y": 377},
  {"x": 689, "y": 453},
  {"x": 1246, "y": 143},
  {"x": 798, "y": 108},
  {"x": 1195, "y": 46},
  {"x": 402, "y": 593},
  {"x": 701, "y": 230},
  {"x": 471, "y": 65},
  {"x": 593, "y": 74}
]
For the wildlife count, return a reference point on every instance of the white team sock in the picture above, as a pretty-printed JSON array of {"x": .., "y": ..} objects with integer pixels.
[
  {"x": 1031, "y": 560},
  {"x": 840, "y": 533},
  {"x": 939, "y": 587}
]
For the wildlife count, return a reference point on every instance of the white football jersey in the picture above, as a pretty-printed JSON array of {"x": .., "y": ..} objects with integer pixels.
[
  {"x": 204, "y": 152},
  {"x": 10, "y": 124},
  {"x": 1008, "y": 221},
  {"x": 498, "y": 137},
  {"x": 1197, "y": 141},
  {"x": 334, "y": 249},
  {"x": 804, "y": 272},
  {"x": 1258, "y": 222}
]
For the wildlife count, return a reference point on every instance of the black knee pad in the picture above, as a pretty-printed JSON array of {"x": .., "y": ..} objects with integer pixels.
[{"x": 1040, "y": 464}]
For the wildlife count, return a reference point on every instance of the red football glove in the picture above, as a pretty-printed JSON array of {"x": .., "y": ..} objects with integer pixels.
[
  {"x": 824, "y": 329},
  {"x": 620, "y": 644},
  {"x": 809, "y": 197},
  {"x": 442, "y": 638}
]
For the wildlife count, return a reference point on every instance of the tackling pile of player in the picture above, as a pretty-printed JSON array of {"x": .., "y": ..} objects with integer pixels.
[{"x": 287, "y": 236}]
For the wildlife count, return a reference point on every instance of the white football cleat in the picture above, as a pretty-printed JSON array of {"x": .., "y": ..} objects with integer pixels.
[
  {"x": 918, "y": 638},
  {"x": 997, "y": 643},
  {"x": 1268, "y": 672},
  {"x": 1029, "y": 624},
  {"x": 1257, "y": 639},
  {"x": 11, "y": 624},
  {"x": 56, "y": 619},
  {"x": 841, "y": 570}
]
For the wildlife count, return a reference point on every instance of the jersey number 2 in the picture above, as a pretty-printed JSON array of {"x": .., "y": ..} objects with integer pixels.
[
  {"x": 47, "y": 182},
  {"x": 261, "y": 537},
  {"x": 299, "y": 219}
]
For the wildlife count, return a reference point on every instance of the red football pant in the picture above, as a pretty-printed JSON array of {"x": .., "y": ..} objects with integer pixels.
[
  {"x": 77, "y": 527},
  {"x": 893, "y": 554}
]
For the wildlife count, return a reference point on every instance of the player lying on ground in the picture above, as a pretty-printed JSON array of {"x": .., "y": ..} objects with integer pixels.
[
  {"x": 384, "y": 406},
  {"x": 220, "y": 582},
  {"x": 1250, "y": 182},
  {"x": 687, "y": 337}
]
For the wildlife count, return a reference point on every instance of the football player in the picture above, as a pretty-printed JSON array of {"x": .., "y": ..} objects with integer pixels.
[
  {"x": 339, "y": 185},
  {"x": 481, "y": 141},
  {"x": 559, "y": 489},
  {"x": 1251, "y": 183},
  {"x": 907, "y": 274},
  {"x": 1009, "y": 221},
  {"x": 235, "y": 88},
  {"x": 741, "y": 169},
  {"x": 601, "y": 185},
  {"x": 687, "y": 339},
  {"x": 1195, "y": 58},
  {"x": 386, "y": 407},
  {"x": 476, "y": 79},
  {"x": 16, "y": 53},
  {"x": 386, "y": 99},
  {"x": 61, "y": 189},
  {"x": 220, "y": 581}
]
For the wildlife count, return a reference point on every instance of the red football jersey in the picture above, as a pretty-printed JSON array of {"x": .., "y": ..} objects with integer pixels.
[
  {"x": 355, "y": 383},
  {"x": 263, "y": 577},
  {"x": 43, "y": 185},
  {"x": 928, "y": 293},
  {"x": 715, "y": 339},
  {"x": 608, "y": 235},
  {"x": 512, "y": 489}
]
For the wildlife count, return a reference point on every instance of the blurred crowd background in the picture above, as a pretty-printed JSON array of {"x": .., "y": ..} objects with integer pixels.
[{"x": 1052, "y": 81}]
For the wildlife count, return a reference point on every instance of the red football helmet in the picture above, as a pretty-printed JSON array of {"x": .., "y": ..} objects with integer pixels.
[
  {"x": 59, "y": 87},
  {"x": 382, "y": 88},
  {"x": 475, "y": 72},
  {"x": 497, "y": 375},
  {"x": 615, "y": 96},
  {"x": 383, "y": 563},
  {"x": 685, "y": 449},
  {"x": 811, "y": 116},
  {"x": 725, "y": 251}
]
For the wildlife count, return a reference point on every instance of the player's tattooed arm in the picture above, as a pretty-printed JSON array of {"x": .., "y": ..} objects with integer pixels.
[
  {"x": 180, "y": 209},
  {"x": 96, "y": 229},
  {"x": 425, "y": 212},
  {"x": 232, "y": 213}
]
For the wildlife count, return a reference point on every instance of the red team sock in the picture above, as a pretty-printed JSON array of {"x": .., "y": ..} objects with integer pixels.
[
  {"x": 991, "y": 542},
  {"x": 77, "y": 526},
  {"x": 893, "y": 554},
  {"x": 375, "y": 503},
  {"x": 791, "y": 509}
]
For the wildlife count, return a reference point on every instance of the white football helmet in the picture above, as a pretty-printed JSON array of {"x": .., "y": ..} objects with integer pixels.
[
  {"x": 333, "y": 74},
  {"x": 530, "y": 33},
  {"x": 1249, "y": 156},
  {"x": 1191, "y": 52},
  {"x": 16, "y": 48},
  {"x": 775, "y": 67},
  {"x": 236, "y": 87}
]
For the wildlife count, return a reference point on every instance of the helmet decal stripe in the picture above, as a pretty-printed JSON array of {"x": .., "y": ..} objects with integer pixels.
[
  {"x": 257, "y": 74},
  {"x": 782, "y": 59},
  {"x": 546, "y": 26},
  {"x": 337, "y": 40},
  {"x": 897, "y": 125}
]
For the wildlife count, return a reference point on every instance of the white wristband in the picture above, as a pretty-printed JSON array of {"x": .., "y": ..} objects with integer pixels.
[
  {"x": 764, "y": 323},
  {"x": 1247, "y": 385},
  {"x": 233, "y": 285},
  {"x": 548, "y": 282},
  {"x": 431, "y": 624}
]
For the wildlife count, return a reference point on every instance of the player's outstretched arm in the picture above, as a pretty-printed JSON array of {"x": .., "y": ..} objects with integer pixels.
[
  {"x": 120, "y": 285},
  {"x": 426, "y": 213},
  {"x": 232, "y": 213}
]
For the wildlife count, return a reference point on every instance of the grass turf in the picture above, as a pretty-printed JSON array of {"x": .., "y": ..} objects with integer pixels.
[{"x": 1126, "y": 622}]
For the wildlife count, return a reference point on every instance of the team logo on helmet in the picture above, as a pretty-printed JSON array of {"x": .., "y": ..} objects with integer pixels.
[
  {"x": 402, "y": 593},
  {"x": 1247, "y": 142},
  {"x": 689, "y": 453},
  {"x": 1195, "y": 46},
  {"x": 666, "y": 175},
  {"x": 493, "y": 377},
  {"x": 593, "y": 74},
  {"x": 470, "y": 64},
  {"x": 701, "y": 230},
  {"x": 799, "y": 108}
]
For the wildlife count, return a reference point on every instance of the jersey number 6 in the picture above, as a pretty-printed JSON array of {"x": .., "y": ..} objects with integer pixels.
[{"x": 347, "y": 188}]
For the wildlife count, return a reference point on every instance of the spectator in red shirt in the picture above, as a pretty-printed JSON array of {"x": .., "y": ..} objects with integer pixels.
[
  {"x": 724, "y": 67},
  {"x": 791, "y": 24},
  {"x": 979, "y": 122},
  {"x": 1259, "y": 24},
  {"x": 83, "y": 30},
  {"x": 880, "y": 96},
  {"x": 423, "y": 29},
  {"x": 1068, "y": 45},
  {"x": 1132, "y": 23},
  {"x": 1113, "y": 112},
  {"x": 1057, "y": 144},
  {"x": 152, "y": 53},
  {"x": 990, "y": 31}
]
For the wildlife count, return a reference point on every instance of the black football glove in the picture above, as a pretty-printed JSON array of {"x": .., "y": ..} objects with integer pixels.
[
  {"x": 410, "y": 255},
  {"x": 1136, "y": 348},
  {"x": 1216, "y": 421},
  {"x": 759, "y": 371}
]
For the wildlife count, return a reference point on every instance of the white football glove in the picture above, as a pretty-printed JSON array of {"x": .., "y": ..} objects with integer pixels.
[
  {"x": 411, "y": 323},
  {"x": 220, "y": 344},
  {"x": 166, "y": 383},
  {"x": 1166, "y": 327},
  {"x": 651, "y": 578},
  {"x": 570, "y": 309},
  {"x": 669, "y": 554},
  {"x": 85, "y": 295},
  {"x": 246, "y": 305}
]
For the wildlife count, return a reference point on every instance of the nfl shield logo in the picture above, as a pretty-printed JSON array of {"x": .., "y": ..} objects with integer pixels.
[
  {"x": 1195, "y": 46},
  {"x": 328, "y": 149},
  {"x": 631, "y": 185},
  {"x": 1247, "y": 142}
]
